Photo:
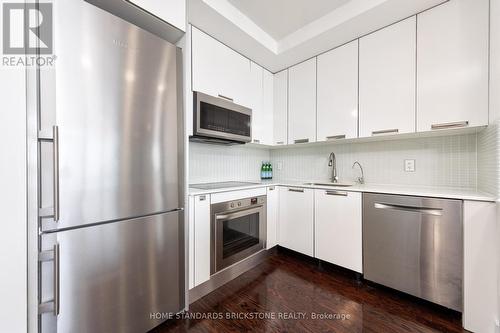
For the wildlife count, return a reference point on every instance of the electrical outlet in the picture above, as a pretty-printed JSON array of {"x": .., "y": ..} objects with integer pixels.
[
  {"x": 279, "y": 165},
  {"x": 409, "y": 165}
]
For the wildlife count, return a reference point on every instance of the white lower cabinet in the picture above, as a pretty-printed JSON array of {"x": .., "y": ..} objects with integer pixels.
[
  {"x": 338, "y": 228},
  {"x": 480, "y": 284},
  {"x": 272, "y": 216},
  {"x": 296, "y": 219},
  {"x": 199, "y": 240}
]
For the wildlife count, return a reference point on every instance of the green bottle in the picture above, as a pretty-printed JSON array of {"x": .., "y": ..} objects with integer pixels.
[
  {"x": 270, "y": 171},
  {"x": 262, "y": 171}
]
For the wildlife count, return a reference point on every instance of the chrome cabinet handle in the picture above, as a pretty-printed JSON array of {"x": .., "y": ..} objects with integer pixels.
[
  {"x": 301, "y": 141},
  {"x": 421, "y": 210},
  {"x": 387, "y": 131},
  {"x": 55, "y": 157},
  {"x": 457, "y": 124},
  {"x": 337, "y": 193},
  {"x": 225, "y": 97},
  {"x": 256, "y": 141},
  {"x": 336, "y": 137},
  {"x": 203, "y": 197},
  {"x": 280, "y": 143},
  {"x": 271, "y": 188},
  {"x": 299, "y": 190}
]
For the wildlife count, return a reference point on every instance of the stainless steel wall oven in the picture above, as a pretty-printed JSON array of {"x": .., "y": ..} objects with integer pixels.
[{"x": 238, "y": 230}]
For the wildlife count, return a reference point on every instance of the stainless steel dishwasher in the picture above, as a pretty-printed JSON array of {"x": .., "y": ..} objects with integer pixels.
[{"x": 415, "y": 245}]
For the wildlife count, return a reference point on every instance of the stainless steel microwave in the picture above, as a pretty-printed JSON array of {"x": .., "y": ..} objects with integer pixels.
[{"x": 219, "y": 120}]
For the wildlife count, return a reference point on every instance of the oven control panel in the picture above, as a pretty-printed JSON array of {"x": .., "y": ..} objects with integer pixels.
[{"x": 244, "y": 203}]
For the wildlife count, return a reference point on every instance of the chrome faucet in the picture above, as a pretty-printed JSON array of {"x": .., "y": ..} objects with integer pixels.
[
  {"x": 332, "y": 162},
  {"x": 360, "y": 180}
]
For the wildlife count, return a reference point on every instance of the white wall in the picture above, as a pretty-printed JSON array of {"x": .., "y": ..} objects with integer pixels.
[
  {"x": 13, "y": 243},
  {"x": 448, "y": 161}
]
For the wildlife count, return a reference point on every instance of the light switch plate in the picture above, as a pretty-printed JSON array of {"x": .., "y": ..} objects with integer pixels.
[
  {"x": 409, "y": 165},
  {"x": 280, "y": 165}
]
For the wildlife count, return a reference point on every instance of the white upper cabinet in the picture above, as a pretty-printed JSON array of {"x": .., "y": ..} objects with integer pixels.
[
  {"x": 452, "y": 65},
  {"x": 268, "y": 101},
  {"x": 219, "y": 71},
  {"x": 302, "y": 102},
  {"x": 280, "y": 111},
  {"x": 387, "y": 80},
  {"x": 172, "y": 11},
  {"x": 255, "y": 100},
  {"x": 338, "y": 93}
]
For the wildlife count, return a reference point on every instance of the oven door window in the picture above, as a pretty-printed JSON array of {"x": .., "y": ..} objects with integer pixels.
[
  {"x": 216, "y": 118},
  {"x": 239, "y": 234}
]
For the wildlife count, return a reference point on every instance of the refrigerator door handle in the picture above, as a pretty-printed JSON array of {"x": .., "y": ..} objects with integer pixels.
[
  {"x": 55, "y": 156},
  {"x": 54, "y": 305}
]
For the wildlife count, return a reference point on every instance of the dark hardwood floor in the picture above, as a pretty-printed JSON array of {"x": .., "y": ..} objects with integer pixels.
[{"x": 287, "y": 284}]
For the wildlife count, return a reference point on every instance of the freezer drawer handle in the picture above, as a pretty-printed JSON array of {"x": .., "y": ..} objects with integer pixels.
[
  {"x": 54, "y": 256},
  {"x": 421, "y": 210}
]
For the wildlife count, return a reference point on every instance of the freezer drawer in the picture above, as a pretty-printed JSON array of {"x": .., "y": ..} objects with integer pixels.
[
  {"x": 414, "y": 245},
  {"x": 114, "y": 277}
]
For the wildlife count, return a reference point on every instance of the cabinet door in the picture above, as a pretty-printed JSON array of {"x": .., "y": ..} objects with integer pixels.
[
  {"x": 338, "y": 93},
  {"x": 172, "y": 12},
  {"x": 338, "y": 228},
  {"x": 296, "y": 219},
  {"x": 272, "y": 216},
  {"x": 201, "y": 239},
  {"x": 255, "y": 100},
  {"x": 268, "y": 117},
  {"x": 452, "y": 86},
  {"x": 387, "y": 80},
  {"x": 280, "y": 111},
  {"x": 219, "y": 71},
  {"x": 207, "y": 55},
  {"x": 302, "y": 102}
]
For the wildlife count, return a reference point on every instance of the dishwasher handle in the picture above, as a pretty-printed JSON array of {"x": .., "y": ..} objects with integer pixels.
[{"x": 420, "y": 210}]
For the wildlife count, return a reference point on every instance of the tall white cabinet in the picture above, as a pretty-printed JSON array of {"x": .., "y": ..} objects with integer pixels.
[
  {"x": 337, "y": 99},
  {"x": 302, "y": 102},
  {"x": 452, "y": 65},
  {"x": 387, "y": 80},
  {"x": 280, "y": 126}
]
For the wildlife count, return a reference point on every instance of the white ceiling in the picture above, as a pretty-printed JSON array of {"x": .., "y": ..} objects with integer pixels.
[
  {"x": 280, "y": 18},
  {"x": 277, "y": 34}
]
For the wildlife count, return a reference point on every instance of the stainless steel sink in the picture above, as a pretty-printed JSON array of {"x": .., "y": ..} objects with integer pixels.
[{"x": 330, "y": 184}]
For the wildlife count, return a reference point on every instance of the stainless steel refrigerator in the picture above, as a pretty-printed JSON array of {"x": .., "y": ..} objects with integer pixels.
[{"x": 112, "y": 242}]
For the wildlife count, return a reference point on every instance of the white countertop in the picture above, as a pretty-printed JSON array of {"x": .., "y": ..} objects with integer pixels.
[{"x": 421, "y": 191}]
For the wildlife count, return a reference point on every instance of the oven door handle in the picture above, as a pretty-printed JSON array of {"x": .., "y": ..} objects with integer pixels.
[{"x": 240, "y": 213}]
